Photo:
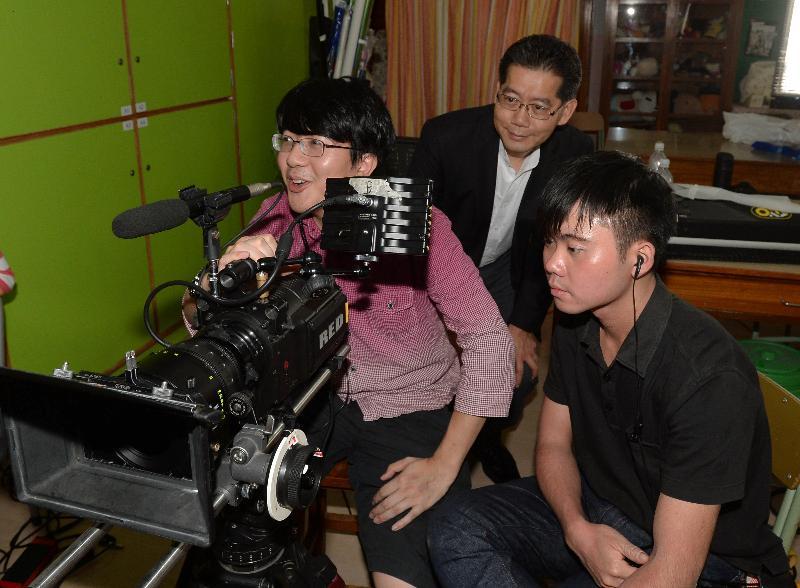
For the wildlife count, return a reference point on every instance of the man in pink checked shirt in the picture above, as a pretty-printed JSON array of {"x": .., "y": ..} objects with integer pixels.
[{"x": 408, "y": 406}]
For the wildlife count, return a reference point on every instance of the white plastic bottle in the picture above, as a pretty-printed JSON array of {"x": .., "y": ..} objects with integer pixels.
[
  {"x": 664, "y": 172},
  {"x": 657, "y": 157}
]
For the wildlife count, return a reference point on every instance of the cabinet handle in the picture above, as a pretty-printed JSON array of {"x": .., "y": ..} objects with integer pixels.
[{"x": 790, "y": 304}]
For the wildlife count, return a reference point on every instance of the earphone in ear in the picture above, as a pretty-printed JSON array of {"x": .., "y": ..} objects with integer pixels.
[{"x": 639, "y": 262}]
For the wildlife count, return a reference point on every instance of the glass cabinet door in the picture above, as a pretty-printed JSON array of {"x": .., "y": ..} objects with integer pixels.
[{"x": 637, "y": 63}]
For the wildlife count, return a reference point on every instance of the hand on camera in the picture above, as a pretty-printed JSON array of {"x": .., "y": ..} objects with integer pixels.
[
  {"x": 254, "y": 247},
  {"x": 414, "y": 485}
]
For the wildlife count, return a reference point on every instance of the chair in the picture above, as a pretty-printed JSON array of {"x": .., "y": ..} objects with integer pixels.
[
  {"x": 398, "y": 160},
  {"x": 320, "y": 520},
  {"x": 593, "y": 124},
  {"x": 783, "y": 412}
]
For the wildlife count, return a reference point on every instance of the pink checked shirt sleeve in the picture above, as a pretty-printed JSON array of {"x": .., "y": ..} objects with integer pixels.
[
  {"x": 6, "y": 276},
  {"x": 469, "y": 311}
]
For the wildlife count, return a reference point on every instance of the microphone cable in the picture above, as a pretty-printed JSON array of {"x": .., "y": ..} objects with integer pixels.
[
  {"x": 635, "y": 436},
  {"x": 255, "y": 221}
]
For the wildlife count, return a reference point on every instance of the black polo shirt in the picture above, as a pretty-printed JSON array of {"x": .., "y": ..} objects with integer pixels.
[{"x": 681, "y": 413}]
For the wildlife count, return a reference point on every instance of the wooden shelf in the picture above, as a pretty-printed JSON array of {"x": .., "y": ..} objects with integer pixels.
[
  {"x": 689, "y": 115},
  {"x": 637, "y": 78},
  {"x": 696, "y": 79},
  {"x": 700, "y": 41},
  {"x": 633, "y": 113},
  {"x": 639, "y": 39}
]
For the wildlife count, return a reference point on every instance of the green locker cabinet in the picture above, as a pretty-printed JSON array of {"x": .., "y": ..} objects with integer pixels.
[
  {"x": 63, "y": 63},
  {"x": 79, "y": 288},
  {"x": 180, "y": 51}
]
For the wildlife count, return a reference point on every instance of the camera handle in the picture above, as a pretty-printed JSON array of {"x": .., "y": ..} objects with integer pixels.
[{"x": 211, "y": 251}]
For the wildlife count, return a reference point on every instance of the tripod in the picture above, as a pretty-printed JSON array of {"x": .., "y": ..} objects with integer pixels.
[{"x": 253, "y": 550}]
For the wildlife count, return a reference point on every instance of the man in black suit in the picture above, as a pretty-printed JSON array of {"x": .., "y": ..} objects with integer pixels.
[{"x": 490, "y": 164}]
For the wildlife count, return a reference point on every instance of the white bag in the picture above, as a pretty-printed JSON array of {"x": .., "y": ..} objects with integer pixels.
[{"x": 746, "y": 127}]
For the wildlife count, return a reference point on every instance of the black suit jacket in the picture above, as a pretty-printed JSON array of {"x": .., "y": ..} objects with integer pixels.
[{"x": 458, "y": 150}]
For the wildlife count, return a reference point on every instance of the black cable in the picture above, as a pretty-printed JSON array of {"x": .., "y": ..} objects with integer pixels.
[
  {"x": 331, "y": 418},
  {"x": 20, "y": 540},
  {"x": 255, "y": 221},
  {"x": 303, "y": 236},
  {"x": 198, "y": 279},
  {"x": 347, "y": 502},
  {"x": 636, "y": 354},
  {"x": 147, "y": 324},
  {"x": 108, "y": 542},
  {"x": 284, "y": 249},
  {"x": 638, "y": 425}
]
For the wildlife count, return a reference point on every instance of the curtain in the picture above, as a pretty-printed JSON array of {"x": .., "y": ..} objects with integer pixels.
[{"x": 443, "y": 54}]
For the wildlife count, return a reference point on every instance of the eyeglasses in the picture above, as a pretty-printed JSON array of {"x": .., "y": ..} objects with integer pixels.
[
  {"x": 537, "y": 111},
  {"x": 310, "y": 147}
]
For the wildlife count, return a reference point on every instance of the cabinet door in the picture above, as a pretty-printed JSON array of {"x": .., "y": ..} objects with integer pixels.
[
  {"x": 267, "y": 66},
  {"x": 180, "y": 51},
  {"x": 79, "y": 288},
  {"x": 189, "y": 147},
  {"x": 636, "y": 62},
  {"x": 63, "y": 63}
]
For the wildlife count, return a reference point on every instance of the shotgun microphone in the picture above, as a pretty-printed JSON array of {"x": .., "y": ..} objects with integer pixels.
[{"x": 168, "y": 214}]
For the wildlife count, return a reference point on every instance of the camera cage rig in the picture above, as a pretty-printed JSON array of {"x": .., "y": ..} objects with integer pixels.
[{"x": 210, "y": 421}]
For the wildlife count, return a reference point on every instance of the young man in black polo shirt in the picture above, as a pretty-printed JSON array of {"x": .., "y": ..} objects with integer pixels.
[{"x": 653, "y": 453}]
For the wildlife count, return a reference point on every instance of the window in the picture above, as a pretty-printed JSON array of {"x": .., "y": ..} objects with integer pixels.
[{"x": 786, "y": 92}]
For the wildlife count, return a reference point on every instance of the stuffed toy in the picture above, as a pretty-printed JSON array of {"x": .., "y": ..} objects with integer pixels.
[
  {"x": 623, "y": 103},
  {"x": 646, "y": 68},
  {"x": 687, "y": 104},
  {"x": 645, "y": 100}
]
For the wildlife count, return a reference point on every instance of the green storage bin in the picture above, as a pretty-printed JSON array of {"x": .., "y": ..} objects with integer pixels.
[{"x": 777, "y": 361}]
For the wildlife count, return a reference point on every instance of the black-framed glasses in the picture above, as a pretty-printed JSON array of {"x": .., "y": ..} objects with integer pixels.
[
  {"x": 309, "y": 146},
  {"x": 534, "y": 110}
]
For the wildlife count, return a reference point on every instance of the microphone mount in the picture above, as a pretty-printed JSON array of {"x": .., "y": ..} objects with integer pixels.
[{"x": 206, "y": 210}]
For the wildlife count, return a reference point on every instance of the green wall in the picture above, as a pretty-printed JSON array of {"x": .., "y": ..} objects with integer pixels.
[
  {"x": 71, "y": 158},
  {"x": 768, "y": 11}
]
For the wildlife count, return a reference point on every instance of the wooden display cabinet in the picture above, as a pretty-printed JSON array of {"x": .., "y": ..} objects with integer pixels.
[{"x": 670, "y": 64}]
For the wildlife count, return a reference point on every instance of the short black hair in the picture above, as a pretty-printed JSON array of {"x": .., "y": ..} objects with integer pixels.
[
  {"x": 344, "y": 109},
  {"x": 612, "y": 187},
  {"x": 546, "y": 53}
]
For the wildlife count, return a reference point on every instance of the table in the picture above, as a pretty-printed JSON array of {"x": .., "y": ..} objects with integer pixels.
[
  {"x": 692, "y": 157},
  {"x": 749, "y": 291}
]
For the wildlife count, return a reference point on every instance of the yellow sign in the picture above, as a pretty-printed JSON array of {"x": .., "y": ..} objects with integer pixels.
[{"x": 768, "y": 213}]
